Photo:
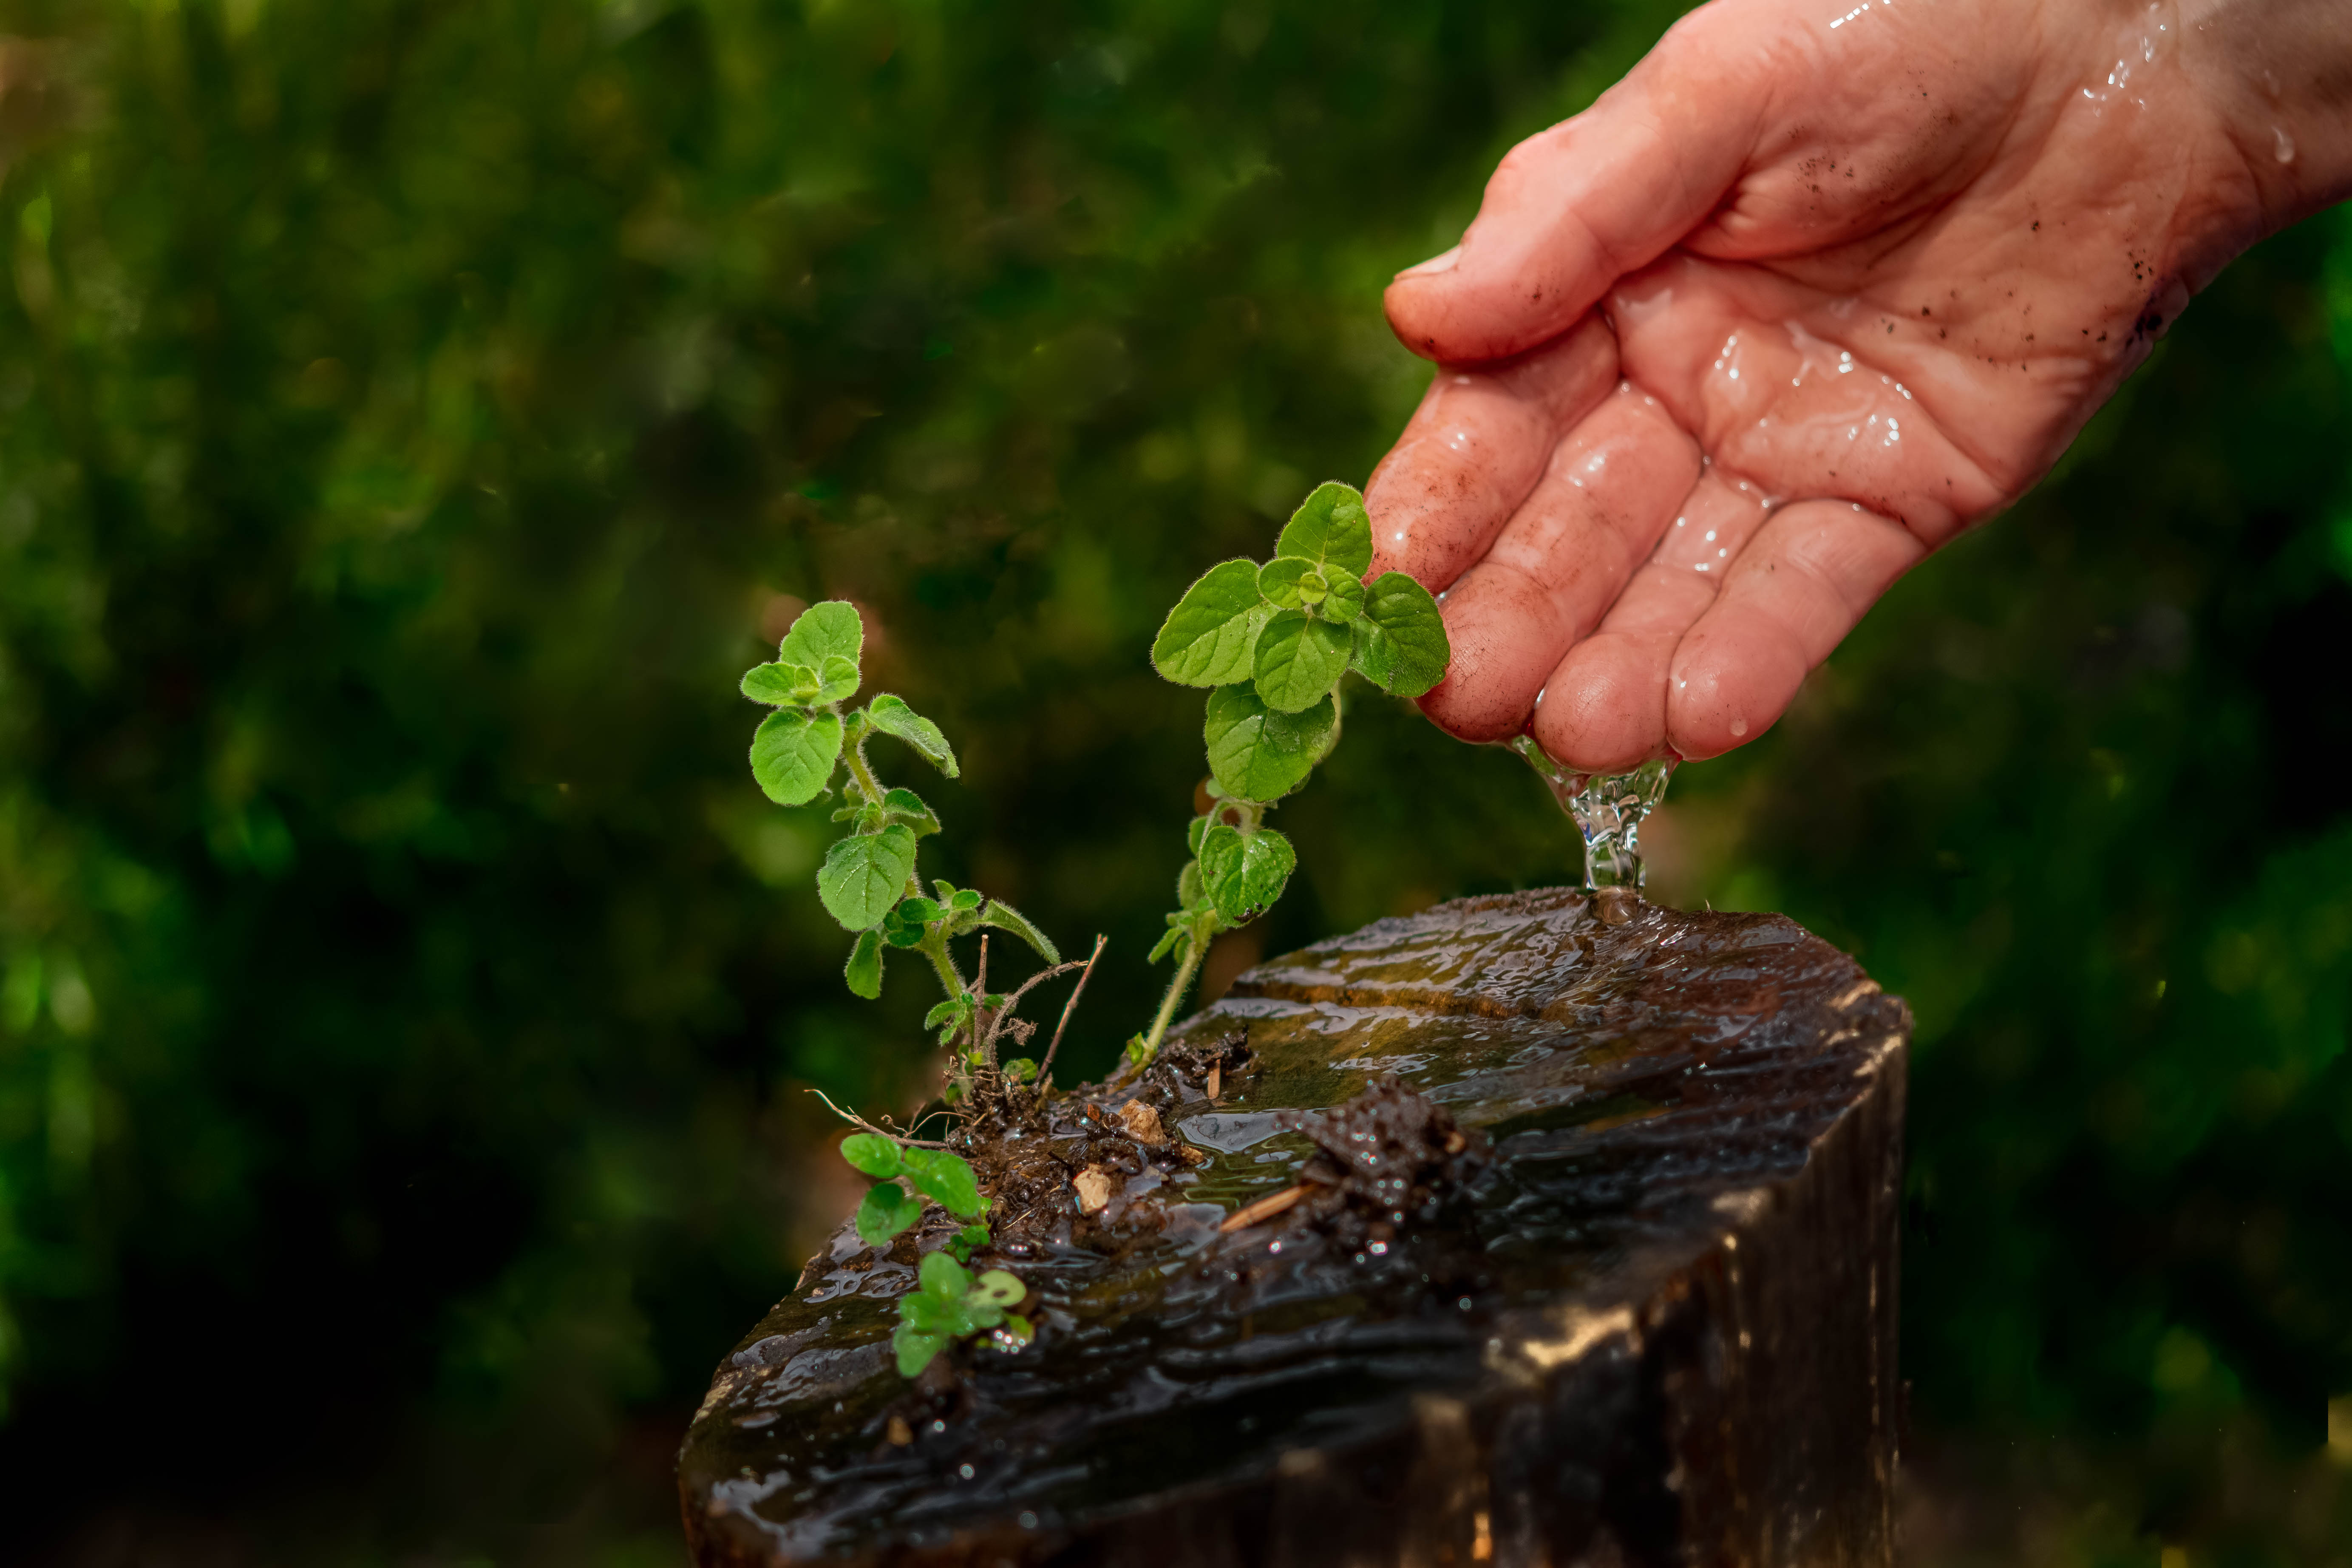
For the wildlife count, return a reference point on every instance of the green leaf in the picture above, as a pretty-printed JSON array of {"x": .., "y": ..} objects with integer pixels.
[
  {"x": 1282, "y": 581},
  {"x": 1004, "y": 917},
  {"x": 1300, "y": 660},
  {"x": 1192, "y": 831},
  {"x": 1188, "y": 882},
  {"x": 1256, "y": 753},
  {"x": 966, "y": 899},
  {"x": 914, "y": 1349},
  {"x": 1017, "y": 1332},
  {"x": 781, "y": 685},
  {"x": 863, "y": 874},
  {"x": 1209, "y": 637},
  {"x": 839, "y": 679},
  {"x": 1168, "y": 943},
  {"x": 1245, "y": 872},
  {"x": 1019, "y": 1069},
  {"x": 1400, "y": 643},
  {"x": 893, "y": 717},
  {"x": 946, "y": 1177},
  {"x": 998, "y": 1287},
  {"x": 874, "y": 1155},
  {"x": 1345, "y": 601},
  {"x": 1331, "y": 528},
  {"x": 907, "y": 803},
  {"x": 942, "y": 1278},
  {"x": 917, "y": 911},
  {"x": 929, "y": 1314},
  {"x": 954, "y": 1010},
  {"x": 975, "y": 1316},
  {"x": 864, "y": 970},
  {"x": 792, "y": 754},
  {"x": 829, "y": 630},
  {"x": 966, "y": 1241},
  {"x": 886, "y": 1210}
]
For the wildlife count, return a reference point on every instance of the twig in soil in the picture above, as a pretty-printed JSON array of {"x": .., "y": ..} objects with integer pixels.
[
  {"x": 1069, "y": 1007},
  {"x": 1013, "y": 1002},
  {"x": 860, "y": 1123},
  {"x": 1265, "y": 1207}
]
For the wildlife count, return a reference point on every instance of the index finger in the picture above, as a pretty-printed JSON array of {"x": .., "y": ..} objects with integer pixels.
[{"x": 1474, "y": 448}]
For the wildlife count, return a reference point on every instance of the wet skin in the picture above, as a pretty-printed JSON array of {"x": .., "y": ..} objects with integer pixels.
[{"x": 1815, "y": 287}]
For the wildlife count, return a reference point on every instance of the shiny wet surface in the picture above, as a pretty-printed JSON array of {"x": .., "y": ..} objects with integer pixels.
[{"x": 1633, "y": 1081}]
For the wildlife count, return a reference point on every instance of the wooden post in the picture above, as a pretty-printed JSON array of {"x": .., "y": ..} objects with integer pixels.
[{"x": 1657, "y": 1325}]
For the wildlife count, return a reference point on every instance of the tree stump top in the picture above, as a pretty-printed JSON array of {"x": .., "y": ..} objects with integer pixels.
[{"x": 1651, "y": 1322}]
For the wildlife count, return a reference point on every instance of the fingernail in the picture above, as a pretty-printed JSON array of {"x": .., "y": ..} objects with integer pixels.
[{"x": 1442, "y": 262}]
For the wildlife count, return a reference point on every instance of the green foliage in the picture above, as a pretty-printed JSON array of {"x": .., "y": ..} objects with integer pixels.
[
  {"x": 948, "y": 1304},
  {"x": 940, "y": 1174},
  {"x": 1296, "y": 626}
]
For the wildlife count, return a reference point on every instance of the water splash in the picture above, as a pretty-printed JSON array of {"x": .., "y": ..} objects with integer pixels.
[{"x": 1609, "y": 809}]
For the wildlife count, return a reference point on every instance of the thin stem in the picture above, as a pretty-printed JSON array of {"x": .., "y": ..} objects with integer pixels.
[
  {"x": 862, "y": 771},
  {"x": 1195, "y": 951},
  {"x": 1004, "y": 1014},
  {"x": 987, "y": 1049},
  {"x": 935, "y": 947},
  {"x": 1046, "y": 1068},
  {"x": 862, "y": 1124}
]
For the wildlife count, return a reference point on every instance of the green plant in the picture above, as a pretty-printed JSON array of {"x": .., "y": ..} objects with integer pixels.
[
  {"x": 947, "y": 1304},
  {"x": 870, "y": 883},
  {"x": 1274, "y": 641}
]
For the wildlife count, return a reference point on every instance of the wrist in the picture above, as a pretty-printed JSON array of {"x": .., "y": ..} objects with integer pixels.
[{"x": 2277, "y": 77}]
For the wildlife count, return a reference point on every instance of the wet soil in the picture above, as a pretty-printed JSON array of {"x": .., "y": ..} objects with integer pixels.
[{"x": 1495, "y": 1233}]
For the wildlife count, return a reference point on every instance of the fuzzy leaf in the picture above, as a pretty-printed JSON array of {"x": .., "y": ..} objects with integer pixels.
[
  {"x": 1279, "y": 580},
  {"x": 829, "y": 630},
  {"x": 1345, "y": 601},
  {"x": 1004, "y": 917},
  {"x": 1300, "y": 660},
  {"x": 1257, "y": 753},
  {"x": 907, "y": 803},
  {"x": 1168, "y": 943},
  {"x": 839, "y": 679},
  {"x": 863, "y": 874},
  {"x": 1019, "y": 1069},
  {"x": 893, "y": 717},
  {"x": 876, "y": 1156},
  {"x": 953, "y": 1011},
  {"x": 1188, "y": 882},
  {"x": 1245, "y": 872},
  {"x": 965, "y": 898},
  {"x": 946, "y": 1177},
  {"x": 914, "y": 1349},
  {"x": 1209, "y": 638},
  {"x": 1400, "y": 643},
  {"x": 1331, "y": 528},
  {"x": 862, "y": 973},
  {"x": 781, "y": 685},
  {"x": 793, "y": 754},
  {"x": 885, "y": 1211},
  {"x": 917, "y": 911}
]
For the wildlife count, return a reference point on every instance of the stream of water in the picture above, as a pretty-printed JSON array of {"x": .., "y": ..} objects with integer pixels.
[{"x": 1608, "y": 809}]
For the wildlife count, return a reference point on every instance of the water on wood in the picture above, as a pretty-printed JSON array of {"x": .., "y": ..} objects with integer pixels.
[{"x": 1568, "y": 1128}]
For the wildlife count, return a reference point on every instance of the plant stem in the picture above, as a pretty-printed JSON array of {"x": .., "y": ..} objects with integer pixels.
[
  {"x": 862, "y": 771},
  {"x": 935, "y": 947},
  {"x": 1195, "y": 951}
]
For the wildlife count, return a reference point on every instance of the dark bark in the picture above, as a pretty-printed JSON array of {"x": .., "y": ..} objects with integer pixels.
[{"x": 1648, "y": 1318}]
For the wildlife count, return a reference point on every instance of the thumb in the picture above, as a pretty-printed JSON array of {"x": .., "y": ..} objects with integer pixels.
[{"x": 1571, "y": 209}]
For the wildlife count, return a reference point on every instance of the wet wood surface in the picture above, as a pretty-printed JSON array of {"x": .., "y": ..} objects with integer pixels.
[{"x": 1653, "y": 1321}]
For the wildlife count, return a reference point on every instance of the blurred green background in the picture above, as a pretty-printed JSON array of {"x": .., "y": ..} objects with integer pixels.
[{"x": 414, "y": 415}]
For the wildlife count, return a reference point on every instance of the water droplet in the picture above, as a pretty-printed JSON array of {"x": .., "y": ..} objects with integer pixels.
[
  {"x": 1739, "y": 726},
  {"x": 2284, "y": 144}
]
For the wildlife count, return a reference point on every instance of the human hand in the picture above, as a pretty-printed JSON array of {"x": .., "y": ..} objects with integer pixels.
[{"x": 1863, "y": 270}]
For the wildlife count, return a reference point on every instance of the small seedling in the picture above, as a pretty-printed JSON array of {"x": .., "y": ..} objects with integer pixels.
[
  {"x": 1273, "y": 641},
  {"x": 948, "y": 1304}
]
